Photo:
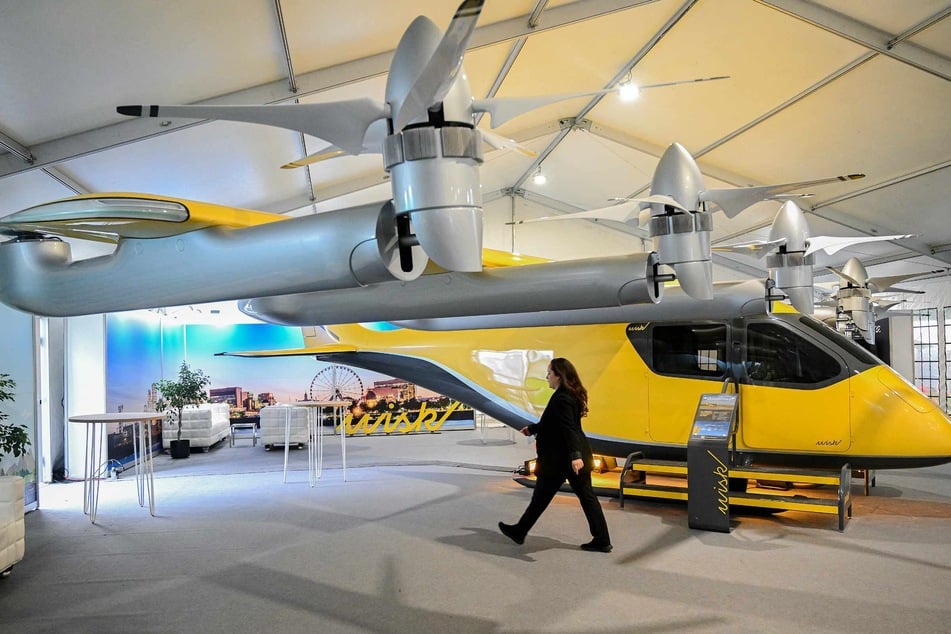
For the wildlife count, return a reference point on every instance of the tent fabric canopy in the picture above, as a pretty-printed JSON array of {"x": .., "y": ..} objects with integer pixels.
[{"x": 815, "y": 89}]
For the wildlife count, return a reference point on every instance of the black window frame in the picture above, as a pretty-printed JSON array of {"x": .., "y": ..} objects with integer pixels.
[
  {"x": 650, "y": 343},
  {"x": 818, "y": 343}
]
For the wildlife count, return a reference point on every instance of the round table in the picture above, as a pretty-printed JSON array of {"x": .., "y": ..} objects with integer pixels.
[{"x": 141, "y": 445}]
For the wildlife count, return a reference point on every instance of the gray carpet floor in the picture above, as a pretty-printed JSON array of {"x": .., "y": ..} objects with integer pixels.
[{"x": 408, "y": 543}]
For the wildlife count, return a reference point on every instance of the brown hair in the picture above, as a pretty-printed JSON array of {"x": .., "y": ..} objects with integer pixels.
[{"x": 569, "y": 379}]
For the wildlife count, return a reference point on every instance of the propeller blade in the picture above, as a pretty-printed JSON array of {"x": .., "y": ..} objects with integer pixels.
[
  {"x": 897, "y": 289},
  {"x": 756, "y": 248},
  {"x": 884, "y": 284},
  {"x": 661, "y": 199},
  {"x": 734, "y": 200},
  {"x": 342, "y": 123},
  {"x": 683, "y": 81},
  {"x": 834, "y": 244},
  {"x": 504, "y": 109},
  {"x": 310, "y": 159},
  {"x": 885, "y": 304},
  {"x": 644, "y": 217},
  {"x": 434, "y": 82},
  {"x": 617, "y": 213},
  {"x": 623, "y": 212},
  {"x": 841, "y": 273},
  {"x": 826, "y": 289},
  {"x": 372, "y": 144},
  {"x": 500, "y": 142}
]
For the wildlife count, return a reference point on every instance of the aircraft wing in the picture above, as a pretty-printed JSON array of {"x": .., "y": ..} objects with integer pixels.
[
  {"x": 111, "y": 216},
  {"x": 327, "y": 349},
  {"x": 420, "y": 370}
]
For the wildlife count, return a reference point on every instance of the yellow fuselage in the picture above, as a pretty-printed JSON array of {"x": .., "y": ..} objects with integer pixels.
[{"x": 870, "y": 417}]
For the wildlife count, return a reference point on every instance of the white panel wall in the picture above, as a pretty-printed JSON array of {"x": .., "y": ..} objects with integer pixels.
[
  {"x": 85, "y": 383},
  {"x": 901, "y": 345}
]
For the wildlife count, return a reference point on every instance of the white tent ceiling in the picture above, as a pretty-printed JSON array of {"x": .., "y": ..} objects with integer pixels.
[{"x": 816, "y": 89}]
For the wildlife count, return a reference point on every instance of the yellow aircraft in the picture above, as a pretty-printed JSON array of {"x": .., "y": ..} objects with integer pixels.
[
  {"x": 809, "y": 396},
  {"x": 417, "y": 260}
]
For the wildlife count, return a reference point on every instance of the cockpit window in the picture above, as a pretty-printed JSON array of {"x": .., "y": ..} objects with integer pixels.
[
  {"x": 697, "y": 350},
  {"x": 839, "y": 340},
  {"x": 775, "y": 354}
]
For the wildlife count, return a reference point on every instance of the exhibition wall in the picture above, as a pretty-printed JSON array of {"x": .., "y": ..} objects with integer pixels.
[{"x": 142, "y": 347}]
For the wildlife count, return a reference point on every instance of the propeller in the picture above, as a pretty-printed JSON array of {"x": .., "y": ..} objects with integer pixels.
[
  {"x": 425, "y": 130},
  {"x": 444, "y": 64},
  {"x": 854, "y": 273},
  {"x": 855, "y": 304},
  {"x": 791, "y": 266},
  {"x": 677, "y": 218},
  {"x": 853, "y": 309},
  {"x": 734, "y": 200},
  {"x": 426, "y": 136}
]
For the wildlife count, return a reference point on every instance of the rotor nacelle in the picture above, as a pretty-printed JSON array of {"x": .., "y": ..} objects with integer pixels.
[
  {"x": 433, "y": 153},
  {"x": 679, "y": 228},
  {"x": 791, "y": 268}
]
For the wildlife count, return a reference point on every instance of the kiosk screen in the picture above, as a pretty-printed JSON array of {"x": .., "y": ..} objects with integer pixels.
[{"x": 714, "y": 417}]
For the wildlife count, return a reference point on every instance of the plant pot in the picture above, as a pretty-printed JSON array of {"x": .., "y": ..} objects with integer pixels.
[{"x": 179, "y": 448}]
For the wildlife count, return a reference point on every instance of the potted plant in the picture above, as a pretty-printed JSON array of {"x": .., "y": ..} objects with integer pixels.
[
  {"x": 13, "y": 438},
  {"x": 189, "y": 389}
]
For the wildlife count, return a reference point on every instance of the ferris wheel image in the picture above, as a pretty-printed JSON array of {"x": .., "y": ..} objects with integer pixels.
[{"x": 335, "y": 383}]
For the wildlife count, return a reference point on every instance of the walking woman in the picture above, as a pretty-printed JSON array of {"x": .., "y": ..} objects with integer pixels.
[{"x": 563, "y": 453}]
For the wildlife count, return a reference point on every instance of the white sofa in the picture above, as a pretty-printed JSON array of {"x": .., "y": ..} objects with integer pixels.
[
  {"x": 12, "y": 541},
  {"x": 202, "y": 426},
  {"x": 273, "y": 420}
]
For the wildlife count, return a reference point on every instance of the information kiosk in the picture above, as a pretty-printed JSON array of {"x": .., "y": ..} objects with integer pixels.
[{"x": 708, "y": 463}]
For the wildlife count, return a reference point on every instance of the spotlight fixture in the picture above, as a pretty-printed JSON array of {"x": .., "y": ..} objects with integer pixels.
[
  {"x": 628, "y": 91},
  {"x": 539, "y": 178},
  {"x": 604, "y": 464}
]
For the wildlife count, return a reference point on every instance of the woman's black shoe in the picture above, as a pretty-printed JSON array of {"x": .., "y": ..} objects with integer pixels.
[
  {"x": 594, "y": 546},
  {"x": 509, "y": 531}
]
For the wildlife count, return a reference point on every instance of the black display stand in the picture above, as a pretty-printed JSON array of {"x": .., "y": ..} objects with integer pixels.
[{"x": 708, "y": 463}]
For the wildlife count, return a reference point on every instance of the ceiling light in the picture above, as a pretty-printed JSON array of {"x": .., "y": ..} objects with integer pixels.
[
  {"x": 539, "y": 178},
  {"x": 628, "y": 91}
]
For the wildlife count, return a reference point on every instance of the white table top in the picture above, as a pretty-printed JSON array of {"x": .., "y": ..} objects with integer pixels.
[
  {"x": 321, "y": 404},
  {"x": 117, "y": 417}
]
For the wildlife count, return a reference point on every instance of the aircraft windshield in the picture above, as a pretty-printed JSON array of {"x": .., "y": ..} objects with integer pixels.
[
  {"x": 777, "y": 354},
  {"x": 840, "y": 340}
]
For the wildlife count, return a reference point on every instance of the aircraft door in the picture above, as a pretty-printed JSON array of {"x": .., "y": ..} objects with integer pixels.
[
  {"x": 686, "y": 360},
  {"x": 795, "y": 394}
]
